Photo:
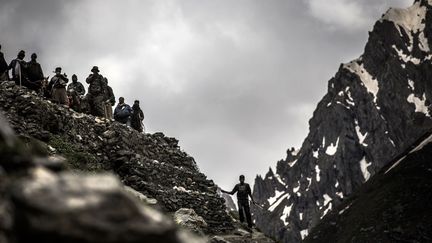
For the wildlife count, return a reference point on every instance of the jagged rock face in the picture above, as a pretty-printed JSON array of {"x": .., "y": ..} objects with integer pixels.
[
  {"x": 375, "y": 107},
  {"x": 394, "y": 206},
  {"x": 151, "y": 164}
]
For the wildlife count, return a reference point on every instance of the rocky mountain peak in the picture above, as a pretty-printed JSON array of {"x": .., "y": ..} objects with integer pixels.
[{"x": 376, "y": 106}]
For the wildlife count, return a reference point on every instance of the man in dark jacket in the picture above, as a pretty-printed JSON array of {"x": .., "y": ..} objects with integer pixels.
[
  {"x": 57, "y": 85},
  {"x": 96, "y": 92},
  {"x": 75, "y": 91},
  {"x": 3, "y": 68},
  {"x": 34, "y": 74},
  {"x": 109, "y": 100},
  {"x": 243, "y": 193},
  {"x": 122, "y": 112},
  {"x": 137, "y": 117},
  {"x": 18, "y": 67}
]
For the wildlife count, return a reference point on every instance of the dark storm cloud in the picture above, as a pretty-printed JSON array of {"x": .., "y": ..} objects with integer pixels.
[{"x": 235, "y": 81}]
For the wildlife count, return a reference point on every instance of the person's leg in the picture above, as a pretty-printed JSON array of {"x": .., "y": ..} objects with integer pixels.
[
  {"x": 240, "y": 210},
  {"x": 248, "y": 214}
]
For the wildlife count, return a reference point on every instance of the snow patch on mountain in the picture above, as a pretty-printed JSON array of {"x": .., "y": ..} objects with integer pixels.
[
  {"x": 363, "y": 166},
  {"x": 285, "y": 214},
  {"x": 410, "y": 21},
  {"x": 369, "y": 82},
  {"x": 420, "y": 103},
  {"x": 331, "y": 149}
]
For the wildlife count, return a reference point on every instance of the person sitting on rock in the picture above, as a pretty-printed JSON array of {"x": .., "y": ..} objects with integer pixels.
[
  {"x": 3, "y": 68},
  {"x": 96, "y": 92},
  {"x": 137, "y": 117},
  {"x": 57, "y": 85},
  {"x": 243, "y": 192},
  {"x": 18, "y": 66},
  {"x": 109, "y": 100},
  {"x": 34, "y": 74},
  {"x": 75, "y": 91},
  {"x": 122, "y": 112}
]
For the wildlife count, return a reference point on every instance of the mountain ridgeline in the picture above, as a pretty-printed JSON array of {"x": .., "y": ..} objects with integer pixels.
[{"x": 376, "y": 107}]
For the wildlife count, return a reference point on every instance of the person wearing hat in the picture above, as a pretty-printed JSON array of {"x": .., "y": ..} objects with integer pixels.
[
  {"x": 57, "y": 85},
  {"x": 96, "y": 92},
  {"x": 75, "y": 91},
  {"x": 18, "y": 66},
  {"x": 34, "y": 74},
  {"x": 3, "y": 68}
]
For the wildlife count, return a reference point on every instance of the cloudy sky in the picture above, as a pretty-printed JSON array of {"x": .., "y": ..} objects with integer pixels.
[{"x": 235, "y": 81}]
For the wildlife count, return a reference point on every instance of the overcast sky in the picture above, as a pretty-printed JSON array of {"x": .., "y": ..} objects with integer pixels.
[{"x": 235, "y": 81}]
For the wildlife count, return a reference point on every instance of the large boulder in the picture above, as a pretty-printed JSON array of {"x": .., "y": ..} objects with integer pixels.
[{"x": 187, "y": 218}]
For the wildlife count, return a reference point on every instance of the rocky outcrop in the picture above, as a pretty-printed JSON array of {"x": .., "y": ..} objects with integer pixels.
[
  {"x": 375, "y": 107},
  {"x": 151, "y": 164},
  {"x": 391, "y": 207},
  {"x": 39, "y": 202}
]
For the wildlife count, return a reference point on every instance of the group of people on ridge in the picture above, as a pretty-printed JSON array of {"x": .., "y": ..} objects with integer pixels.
[{"x": 98, "y": 101}]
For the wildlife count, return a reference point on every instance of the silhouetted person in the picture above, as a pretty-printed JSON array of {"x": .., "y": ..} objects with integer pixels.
[
  {"x": 137, "y": 117},
  {"x": 243, "y": 193},
  {"x": 34, "y": 74},
  {"x": 18, "y": 66},
  {"x": 96, "y": 92},
  {"x": 75, "y": 91},
  {"x": 109, "y": 100},
  {"x": 3, "y": 68},
  {"x": 57, "y": 85},
  {"x": 122, "y": 111}
]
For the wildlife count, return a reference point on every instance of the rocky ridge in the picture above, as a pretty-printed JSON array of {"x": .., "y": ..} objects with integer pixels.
[
  {"x": 376, "y": 106},
  {"x": 150, "y": 167},
  {"x": 152, "y": 164}
]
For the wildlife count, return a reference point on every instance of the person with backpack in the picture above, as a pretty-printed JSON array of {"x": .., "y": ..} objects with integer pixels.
[
  {"x": 18, "y": 66},
  {"x": 243, "y": 193},
  {"x": 137, "y": 117},
  {"x": 122, "y": 112},
  {"x": 96, "y": 92}
]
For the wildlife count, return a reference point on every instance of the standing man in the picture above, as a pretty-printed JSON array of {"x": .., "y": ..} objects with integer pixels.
[
  {"x": 3, "y": 68},
  {"x": 122, "y": 112},
  {"x": 34, "y": 74},
  {"x": 75, "y": 91},
  {"x": 243, "y": 192},
  {"x": 109, "y": 100},
  {"x": 18, "y": 67},
  {"x": 96, "y": 92},
  {"x": 57, "y": 85},
  {"x": 137, "y": 117}
]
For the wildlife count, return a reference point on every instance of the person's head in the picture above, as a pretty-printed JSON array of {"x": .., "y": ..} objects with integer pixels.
[
  {"x": 58, "y": 70},
  {"x": 74, "y": 78},
  {"x": 95, "y": 70},
  {"x": 136, "y": 102},
  {"x": 241, "y": 178},
  {"x": 121, "y": 100},
  {"x": 21, "y": 54}
]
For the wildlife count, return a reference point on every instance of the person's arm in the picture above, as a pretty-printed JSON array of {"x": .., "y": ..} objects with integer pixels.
[
  {"x": 234, "y": 190},
  {"x": 249, "y": 191}
]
